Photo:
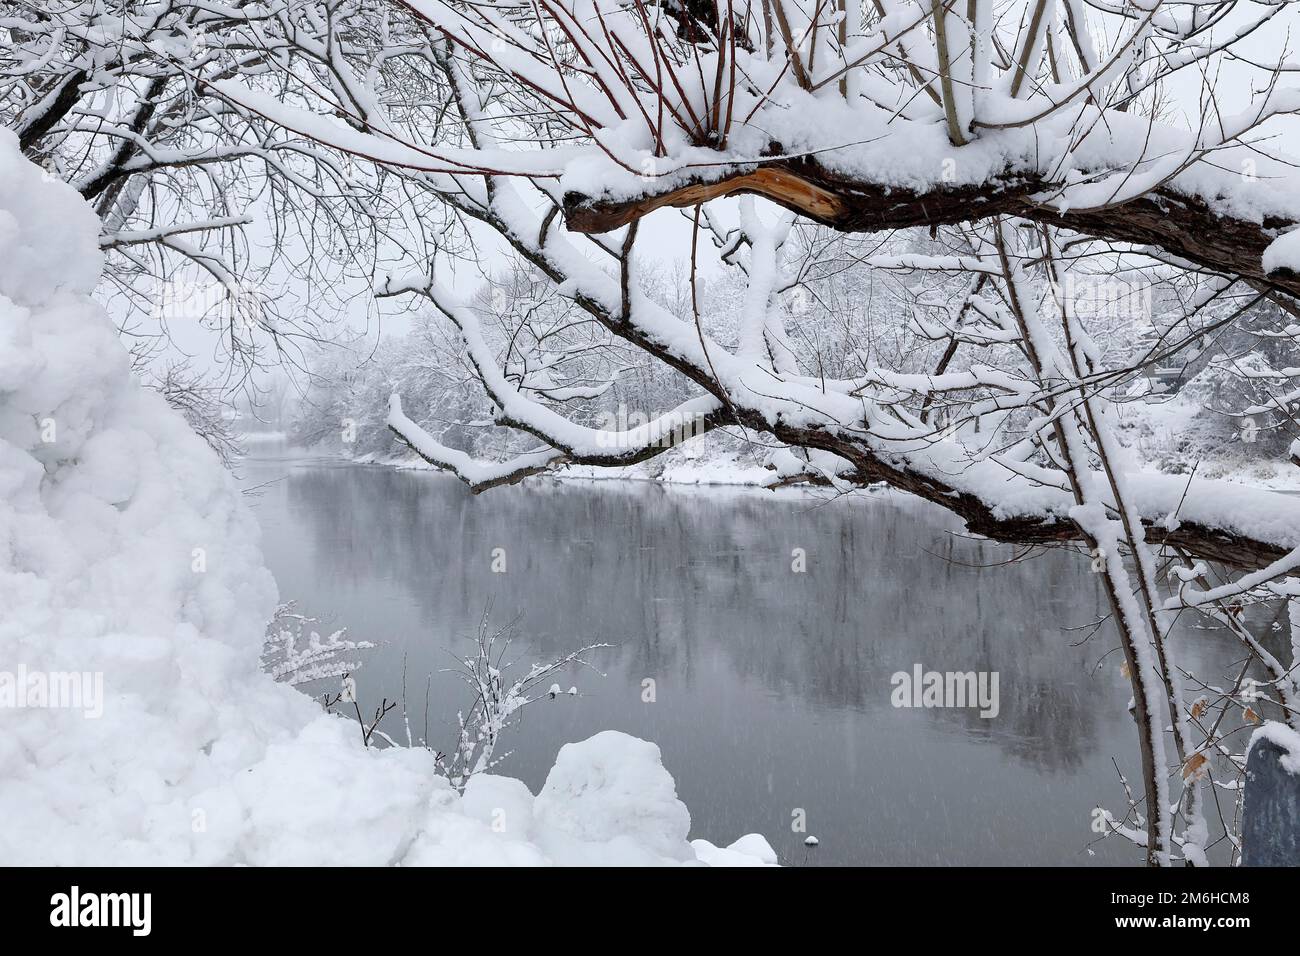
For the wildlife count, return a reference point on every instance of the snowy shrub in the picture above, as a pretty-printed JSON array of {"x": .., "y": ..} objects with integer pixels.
[
  {"x": 496, "y": 699},
  {"x": 294, "y": 652}
]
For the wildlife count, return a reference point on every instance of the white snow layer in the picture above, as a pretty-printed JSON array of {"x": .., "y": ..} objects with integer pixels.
[
  {"x": 1283, "y": 253},
  {"x": 1282, "y": 736},
  {"x": 126, "y": 552}
]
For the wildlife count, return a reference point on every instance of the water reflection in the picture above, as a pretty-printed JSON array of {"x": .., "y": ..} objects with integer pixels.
[{"x": 772, "y": 687}]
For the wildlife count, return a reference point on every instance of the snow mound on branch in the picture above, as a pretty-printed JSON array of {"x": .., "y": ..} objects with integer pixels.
[
  {"x": 127, "y": 554},
  {"x": 1283, "y": 253},
  {"x": 1284, "y": 738}
]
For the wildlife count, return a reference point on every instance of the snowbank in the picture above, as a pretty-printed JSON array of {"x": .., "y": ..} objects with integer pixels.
[{"x": 135, "y": 598}]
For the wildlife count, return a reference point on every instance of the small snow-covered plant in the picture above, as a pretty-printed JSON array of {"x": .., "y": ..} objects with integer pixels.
[
  {"x": 295, "y": 653},
  {"x": 498, "y": 698}
]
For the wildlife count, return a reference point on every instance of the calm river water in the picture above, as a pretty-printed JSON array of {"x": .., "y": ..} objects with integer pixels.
[{"x": 772, "y": 688}]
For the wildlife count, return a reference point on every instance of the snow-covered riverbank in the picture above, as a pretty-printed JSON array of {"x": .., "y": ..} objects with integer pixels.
[
  {"x": 741, "y": 471},
  {"x": 704, "y": 464},
  {"x": 128, "y": 556},
  {"x": 681, "y": 471}
]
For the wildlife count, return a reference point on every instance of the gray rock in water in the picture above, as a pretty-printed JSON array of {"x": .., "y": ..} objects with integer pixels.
[{"x": 1270, "y": 825}]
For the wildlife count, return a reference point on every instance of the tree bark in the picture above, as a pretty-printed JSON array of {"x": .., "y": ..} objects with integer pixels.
[{"x": 1183, "y": 226}]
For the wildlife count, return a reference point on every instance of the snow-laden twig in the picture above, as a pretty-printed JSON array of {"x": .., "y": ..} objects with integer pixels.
[
  {"x": 498, "y": 697},
  {"x": 296, "y": 653}
]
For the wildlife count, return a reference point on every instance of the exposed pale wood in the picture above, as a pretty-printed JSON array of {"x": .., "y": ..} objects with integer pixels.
[{"x": 1183, "y": 226}]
